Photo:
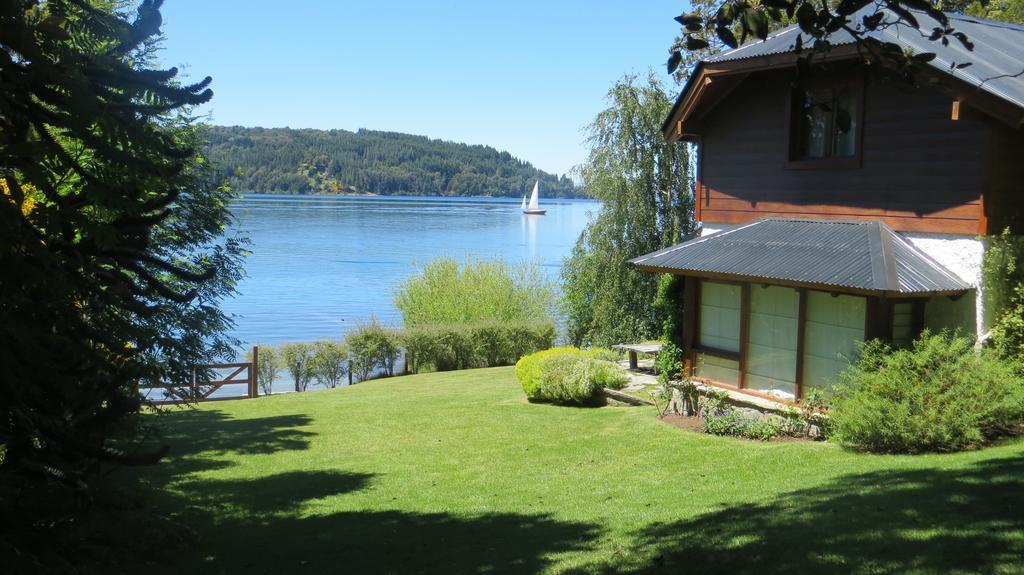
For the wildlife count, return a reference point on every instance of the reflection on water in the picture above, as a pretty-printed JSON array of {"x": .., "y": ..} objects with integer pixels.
[{"x": 320, "y": 265}]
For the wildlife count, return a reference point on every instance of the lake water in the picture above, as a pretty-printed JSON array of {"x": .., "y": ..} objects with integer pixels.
[{"x": 320, "y": 265}]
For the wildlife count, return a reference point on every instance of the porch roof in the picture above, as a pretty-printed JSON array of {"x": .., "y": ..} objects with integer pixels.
[{"x": 836, "y": 255}]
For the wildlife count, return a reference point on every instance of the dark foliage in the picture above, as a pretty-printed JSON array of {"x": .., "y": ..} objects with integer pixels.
[
  {"x": 729, "y": 23},
  {"x": 286, "y": 161},
  {"x": 110, "y": 237}
]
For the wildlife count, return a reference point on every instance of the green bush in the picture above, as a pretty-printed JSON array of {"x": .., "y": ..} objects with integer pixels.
[
  {"x": 297, "y": 359},
  {"x": 568, "y": 374},
  {"x": 446, "y": 292},
  {"x": 727, "y": 423},
  {"x": 267, "y": 368},
  {"x": 565, "y": 379},
  {"x": 759, "y": 427},
  {"x": 481, "y": 344},
  {"x": 372, "y": 347},
  {"x": 669, "y": 362},
  {"x": 941, "y": 395},
  {"x": 528, "y": 368},
  {"x": 329, "y": 363}
]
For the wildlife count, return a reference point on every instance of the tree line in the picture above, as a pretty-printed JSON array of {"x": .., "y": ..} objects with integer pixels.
[{"x": 307, "y": 161}]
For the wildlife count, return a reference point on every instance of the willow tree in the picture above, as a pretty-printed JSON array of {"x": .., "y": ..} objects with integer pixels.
[
  {"x": 644, "y": 184},
  {"x": 111, "y": 236}
]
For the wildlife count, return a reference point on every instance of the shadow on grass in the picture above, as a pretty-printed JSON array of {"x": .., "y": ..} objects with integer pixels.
[
  {"x": 265, "y": 525},
  {"x": 382, "y": 542},
  {"x": 192, "y": 431},
  {"x": 928, "y": 521},
  {"x": 197, "y": 437},
  {"x": 271, "y": 524}
]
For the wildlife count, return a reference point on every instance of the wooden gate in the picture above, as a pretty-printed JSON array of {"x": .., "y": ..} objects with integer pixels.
[{"x": 201, "y": 389}]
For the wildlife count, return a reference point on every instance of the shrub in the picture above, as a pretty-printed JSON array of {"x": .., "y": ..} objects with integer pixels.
[
  {"x": 446, "y": 292},
  {"x": 727, "y": 423},
  {"x": 716, "y": 402},
  {"x": 329, "y": 363},
  {"x": 266, "y": 370},
  {"x": 752, "y": 426},
  {"x": 669, "y": 362},
  {"x": 605, "y": 373},
  {"x": 567, "y": 374},
  {"x": 814, "y": 408},
  {"x": 528, "y": 368},
  {"x": 482, "y": 344},
  {"x": 565, "y": 379},
  {"x": 296, "y": 358},
  {"x": 372, "y": 347},
  {"x": 941, "y": 395}
]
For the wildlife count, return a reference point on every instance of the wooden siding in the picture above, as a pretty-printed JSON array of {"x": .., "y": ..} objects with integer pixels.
[{"x": 919, "y": 170}]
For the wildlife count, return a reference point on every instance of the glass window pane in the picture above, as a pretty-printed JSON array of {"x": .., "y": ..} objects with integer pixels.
[
  {"x": 845, "y": 122},
  {"x": 718, "y": 370},
  {"x": 719, "y": 321},
  {"x": 771, "y": 350},
  {"x": 815, "y": 114},
  {"x": 834, "y": 328}
]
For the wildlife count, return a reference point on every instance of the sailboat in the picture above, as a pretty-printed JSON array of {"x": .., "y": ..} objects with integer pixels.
[{"x": 533, "y": 208}]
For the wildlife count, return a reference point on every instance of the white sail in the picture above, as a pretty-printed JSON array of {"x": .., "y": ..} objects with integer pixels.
[
  {"x": 524, "y": 202},
  {"x": 534, "y": 198}
]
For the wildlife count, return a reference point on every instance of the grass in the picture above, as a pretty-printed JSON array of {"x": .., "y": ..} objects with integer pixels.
[{"x": 455, "y": 473}]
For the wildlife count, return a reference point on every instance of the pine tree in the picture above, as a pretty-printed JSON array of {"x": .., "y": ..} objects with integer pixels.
[{"x": 111, "y": 236}]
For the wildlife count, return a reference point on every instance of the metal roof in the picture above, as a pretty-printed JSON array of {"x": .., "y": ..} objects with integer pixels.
[
  {"x": 997, "y": 61},
  {"x": 852, "y": 255}
]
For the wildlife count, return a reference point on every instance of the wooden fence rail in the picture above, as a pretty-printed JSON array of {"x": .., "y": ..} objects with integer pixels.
[{"x": 199, "y": 390}]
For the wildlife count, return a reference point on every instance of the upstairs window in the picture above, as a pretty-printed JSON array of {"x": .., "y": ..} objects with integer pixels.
[{"x": 826, "y": 122}]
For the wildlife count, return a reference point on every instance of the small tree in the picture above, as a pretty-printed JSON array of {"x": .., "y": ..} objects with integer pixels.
[
  {"x": 644, "y": 184},
  {"x": 297, "y": 359},
  {"x": 371, "y": 346},
  {"x": 266, "y": 369},
  {"x": 329, "y": 363}
]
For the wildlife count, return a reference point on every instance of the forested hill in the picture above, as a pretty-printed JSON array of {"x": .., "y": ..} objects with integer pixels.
[{"x": 287, "y": 161}]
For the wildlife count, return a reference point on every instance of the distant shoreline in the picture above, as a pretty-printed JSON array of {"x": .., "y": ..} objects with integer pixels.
[{"x": 373, "y": 195}]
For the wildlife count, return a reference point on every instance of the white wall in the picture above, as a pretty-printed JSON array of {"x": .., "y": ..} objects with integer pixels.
[{"x": 961, "y": 255}]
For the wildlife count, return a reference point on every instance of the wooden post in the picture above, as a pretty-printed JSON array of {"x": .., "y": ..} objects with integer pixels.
[
  {"x": 691, "y": 289},
  {"x": 878, "y": 319},
  {"x": 254, "y": 372},
  {"x": 801, "y": 333},
  {"x": 350, "y": 372},
  {"x": 744, "y": 332},
  {"x": 632, "y": 360},
  {"x": 194, "y": 392}
]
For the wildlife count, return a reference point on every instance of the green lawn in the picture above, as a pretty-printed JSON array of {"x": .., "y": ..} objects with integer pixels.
[{"x": 456, "y": 473}]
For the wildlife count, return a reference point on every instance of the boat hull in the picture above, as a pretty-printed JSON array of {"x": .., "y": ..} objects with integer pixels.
[{"x": 535, "y": 212}]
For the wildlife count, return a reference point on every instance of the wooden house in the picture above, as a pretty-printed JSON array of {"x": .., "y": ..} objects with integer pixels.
[{"x": 845, "y": 203}]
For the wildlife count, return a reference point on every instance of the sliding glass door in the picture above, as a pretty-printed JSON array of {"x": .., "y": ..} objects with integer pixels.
[{"x": 772, "y": 342}]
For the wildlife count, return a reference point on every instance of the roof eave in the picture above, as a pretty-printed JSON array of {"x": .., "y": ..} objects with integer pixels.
[
  {"x": 696, "y": 93},
  {"x": 831, "y": 288}
]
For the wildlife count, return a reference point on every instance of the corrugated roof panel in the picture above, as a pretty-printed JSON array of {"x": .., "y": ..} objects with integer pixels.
[
  {"x": 842, "y": 254},
  {"x": 996, "y": 62}
]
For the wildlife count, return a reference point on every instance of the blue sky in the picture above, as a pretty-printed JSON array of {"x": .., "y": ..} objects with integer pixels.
[{"x": 524, "y": 76}]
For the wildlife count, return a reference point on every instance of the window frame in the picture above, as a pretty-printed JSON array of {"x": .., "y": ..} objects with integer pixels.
[{"x": 833, "y": 82}]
